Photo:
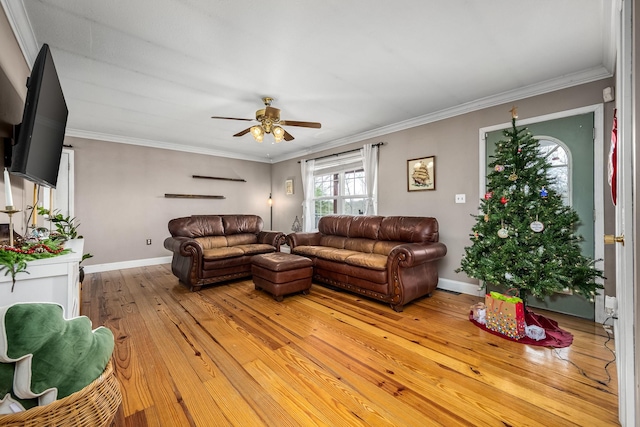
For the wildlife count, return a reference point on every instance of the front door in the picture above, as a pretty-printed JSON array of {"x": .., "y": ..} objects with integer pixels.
[{"x": 568, "y": 144}]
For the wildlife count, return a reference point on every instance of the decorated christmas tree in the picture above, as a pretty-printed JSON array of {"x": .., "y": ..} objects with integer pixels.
[{"x": 525, "y": 236}]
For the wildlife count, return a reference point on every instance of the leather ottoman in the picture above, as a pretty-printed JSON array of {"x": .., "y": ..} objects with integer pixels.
[{"x": 281, "y": 273}]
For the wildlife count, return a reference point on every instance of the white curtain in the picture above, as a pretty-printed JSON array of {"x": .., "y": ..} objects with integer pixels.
[
  {"x": 308, "y": 205},
  {"x": 370, "y": 165}
]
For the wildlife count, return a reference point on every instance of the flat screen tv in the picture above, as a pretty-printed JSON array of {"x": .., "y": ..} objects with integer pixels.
[{"x": 39, "y": 140}]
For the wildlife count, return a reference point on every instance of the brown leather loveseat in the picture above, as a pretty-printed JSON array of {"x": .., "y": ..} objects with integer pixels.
[
  {"x": 214, "y": 248},
  {"x": 392, "y": 259}
]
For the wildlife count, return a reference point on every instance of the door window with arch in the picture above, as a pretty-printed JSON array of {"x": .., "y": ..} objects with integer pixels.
[{"x": 559, "y": 157}]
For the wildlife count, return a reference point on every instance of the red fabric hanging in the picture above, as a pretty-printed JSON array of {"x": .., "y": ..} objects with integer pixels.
[{"x": 613, "y": 159}]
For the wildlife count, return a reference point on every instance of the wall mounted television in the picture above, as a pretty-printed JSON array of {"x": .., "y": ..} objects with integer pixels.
[{"x": 38, "y": 140}]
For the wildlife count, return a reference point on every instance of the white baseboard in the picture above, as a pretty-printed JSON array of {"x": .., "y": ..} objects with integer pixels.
[
  {"x": 97, "y": 268},
  {"x": 462, "y": 287}
]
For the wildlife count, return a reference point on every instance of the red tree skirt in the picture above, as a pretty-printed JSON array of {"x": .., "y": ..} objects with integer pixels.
[{"x": 555, "y": 337}]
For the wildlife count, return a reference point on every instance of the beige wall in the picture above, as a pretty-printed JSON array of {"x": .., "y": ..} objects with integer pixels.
[
  {"x": 454, "y": 142},
  {"x": 120, "y": 188}
]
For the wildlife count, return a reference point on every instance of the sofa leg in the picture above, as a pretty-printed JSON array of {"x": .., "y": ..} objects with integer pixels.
[
  {"x": 279, "y": 298},
  {"x": 196, "y": 288},
  {"x": 398, "y": 308}
]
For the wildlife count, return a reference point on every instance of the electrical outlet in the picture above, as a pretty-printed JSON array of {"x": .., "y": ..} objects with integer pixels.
[
  {"x": 460, "y": 198},
  {"x": 148, "y": 241},
  {"x": 610, "y": 305}
]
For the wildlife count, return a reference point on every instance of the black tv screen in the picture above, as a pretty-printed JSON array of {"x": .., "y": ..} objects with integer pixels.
[{"x": 40, "y": 136}]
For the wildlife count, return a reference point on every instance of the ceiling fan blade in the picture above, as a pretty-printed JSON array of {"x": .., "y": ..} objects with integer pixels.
[
  {"x": 288, "y": 136},
  {"x": 243, "y": 132},
  {"x": 231, "y": 118},
  {"x": 314, "y": 125}
]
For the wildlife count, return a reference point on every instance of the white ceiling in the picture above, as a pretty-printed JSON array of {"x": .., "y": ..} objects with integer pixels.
[{"x": 153, "y": 72}]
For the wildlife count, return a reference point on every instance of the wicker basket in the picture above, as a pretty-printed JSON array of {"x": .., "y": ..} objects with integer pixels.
[{"x": 95, "y": 405}]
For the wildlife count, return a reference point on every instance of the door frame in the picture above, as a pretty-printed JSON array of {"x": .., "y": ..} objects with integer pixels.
[
  {"x": 626, "y": 343},
  {"x": 598, "y": 171}
]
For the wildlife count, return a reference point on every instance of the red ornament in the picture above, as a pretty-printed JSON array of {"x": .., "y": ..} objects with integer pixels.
[
  {"x": 488, "y": 195},
  {"x": 503, "y": 200}
]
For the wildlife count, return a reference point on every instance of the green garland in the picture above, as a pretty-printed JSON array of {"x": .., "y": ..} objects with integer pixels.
[{"x": 14, "y": 259}]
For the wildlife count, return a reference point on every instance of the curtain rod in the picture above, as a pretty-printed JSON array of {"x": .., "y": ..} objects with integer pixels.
[{"x": 343, "y": 152}]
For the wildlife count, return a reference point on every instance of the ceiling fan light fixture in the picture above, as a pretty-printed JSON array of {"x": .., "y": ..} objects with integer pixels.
[
  {"x": 278, "y": 133},
  {"x": 257, "y": 132}
]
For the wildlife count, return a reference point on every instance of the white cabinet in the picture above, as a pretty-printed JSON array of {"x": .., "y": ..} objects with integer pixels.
[{"x": 49, "y": 280}]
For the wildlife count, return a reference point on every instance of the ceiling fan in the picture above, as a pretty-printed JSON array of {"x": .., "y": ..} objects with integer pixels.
[{"x": 269, "y": 118}]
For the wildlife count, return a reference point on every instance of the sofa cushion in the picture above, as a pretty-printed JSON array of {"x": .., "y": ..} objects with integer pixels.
[
  {"x": 257, "y": 248},
  {"x": 335, "y": 225},
  {"x": 210, "y": 242},
  {"x": 365, "y": 227},
  {"x": 374, "y": 261},
  {"x": 242, "y": 224},
  {"x": 409, "y": 229},
  {"x": 241, "y": 239},
  {"x": 333, "y": 241},
  {"x": 305, "y": 250},
  {"x": 219, "y": 253},
  {"x": 196, "y": 226},
  {"x": 360, "y": 245},
  {"x": 333, "y": 254},
  {"x": 385, "y": 248}
]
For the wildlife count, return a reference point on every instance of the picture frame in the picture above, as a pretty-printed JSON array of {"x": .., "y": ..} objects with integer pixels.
[
  {"x": 288, "y": 187},
  {"x": 421, "y": 174}
]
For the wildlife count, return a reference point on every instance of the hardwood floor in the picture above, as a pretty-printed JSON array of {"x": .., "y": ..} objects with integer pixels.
[{"x": 231, "y": 355}]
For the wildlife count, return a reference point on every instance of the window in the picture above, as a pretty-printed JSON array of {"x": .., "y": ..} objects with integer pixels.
[
  {"x": 343, "y": 183},
  {"x": 559, "y": 157},
  {"x": 342, "y": 192}
]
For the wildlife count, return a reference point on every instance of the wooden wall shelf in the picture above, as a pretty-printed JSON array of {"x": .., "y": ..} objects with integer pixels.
[
  {"x": 191, "y": 196},
  {"x": 219, "y": 178}
]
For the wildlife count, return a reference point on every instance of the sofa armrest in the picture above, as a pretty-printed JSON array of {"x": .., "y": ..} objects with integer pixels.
[
  {"x": 303, "y": 239},
  {"x": 410, "y": 254},
  {"x": 184, "y": 246},
  {"x": 273, "y": 238}
]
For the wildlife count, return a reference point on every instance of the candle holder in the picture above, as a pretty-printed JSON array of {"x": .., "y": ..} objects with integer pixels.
[{"x": 10, "y": 210}]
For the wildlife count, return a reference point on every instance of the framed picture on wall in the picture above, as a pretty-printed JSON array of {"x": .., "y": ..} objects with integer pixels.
[
  {"x": 421, "y": 174},
  {"x": 288, "y": 187}
]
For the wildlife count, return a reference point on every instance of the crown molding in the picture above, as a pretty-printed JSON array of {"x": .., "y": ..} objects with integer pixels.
[
  {"x": 21, "y": 27},
  {"x": 563, "y": 82},
  {"x": 77, "y": 133}
]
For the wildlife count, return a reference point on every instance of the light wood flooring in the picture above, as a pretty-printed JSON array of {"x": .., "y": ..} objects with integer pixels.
[{"x": 231, "y": 355}]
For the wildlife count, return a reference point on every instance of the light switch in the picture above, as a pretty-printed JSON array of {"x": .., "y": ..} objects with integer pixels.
[{"x": 460, "y": 198}]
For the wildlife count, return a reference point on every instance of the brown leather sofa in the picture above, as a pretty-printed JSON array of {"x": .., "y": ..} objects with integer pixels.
[
  {"x": 392, "y": 259},
  {"x": 214, "y": 248}
]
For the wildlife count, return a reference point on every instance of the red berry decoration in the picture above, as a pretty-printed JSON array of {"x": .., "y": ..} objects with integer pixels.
[{"x": 503, "y": 200}]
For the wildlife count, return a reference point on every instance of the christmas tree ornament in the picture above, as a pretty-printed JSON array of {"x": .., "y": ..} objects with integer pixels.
[
  {"x": 503, "y": 233},
  {"x": 488, "y": 195},
  {"x": 486, "y": 217},
  {"x": 504, "y": 200},
  {"x": 513, "y": 177},
  {"x": 536, "y": 226},
  {"x": 544, "y": 193},
  {"x": 499, "y": 168}
]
